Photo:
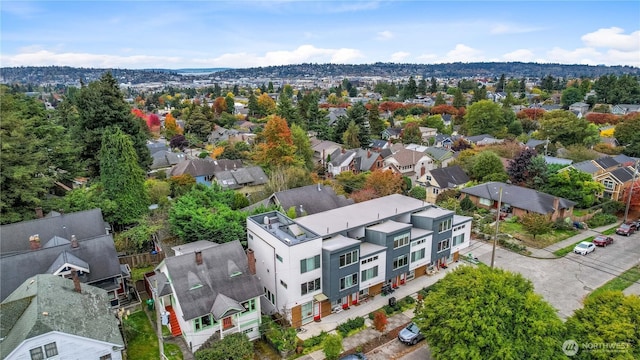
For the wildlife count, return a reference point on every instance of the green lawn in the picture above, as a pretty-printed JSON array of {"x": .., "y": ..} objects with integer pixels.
[
  {"x": 610, "y": 230},
  {"x": 142, "y": 342},
  {"x": 138, "y": 272},
  {"x": 621, "y": 282},
  {"x": 565, "y": 250}
]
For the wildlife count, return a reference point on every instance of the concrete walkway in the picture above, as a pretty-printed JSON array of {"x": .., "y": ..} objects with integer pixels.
[{"x": 329, "y": 323}]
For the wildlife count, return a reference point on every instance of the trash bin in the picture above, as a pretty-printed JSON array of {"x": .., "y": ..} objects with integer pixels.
[
  {"x": 150, "y": 304},
  {"x": 392, "y": 301}
]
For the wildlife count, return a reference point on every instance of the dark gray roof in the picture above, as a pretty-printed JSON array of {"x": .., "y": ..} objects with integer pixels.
[
  {"x": 338, "y": 157},
  {"x": 623, "y": 174},
  {"x": 378, "y": 143},
  {"x": 202, "y": 167},
  {"x": 587, "y": 166},
  {"x": 533, "y": 143},
  {"x": 83, "y": 224},
  {"x": 450, "y": 176},
  {"x": 606, "y": 162},
  {"x": 237, "y": 178},
  {"x": 224, "y": 270},
  {"x": 312, "y": 199},
  {"x": 98, "y": 253},
  {"x": 624, "y": 159},
  {"x": 163, "y": 159},
  {"x": 157, "y": 146},
  {"x": 365, "y": 159},
  {"x": 478, "y": 138},
  {"x": 518, "y": 197},
  {"x": 46, "y": 303}
]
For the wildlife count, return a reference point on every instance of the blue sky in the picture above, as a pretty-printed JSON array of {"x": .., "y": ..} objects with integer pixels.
[{"x": 203, "y": 34}]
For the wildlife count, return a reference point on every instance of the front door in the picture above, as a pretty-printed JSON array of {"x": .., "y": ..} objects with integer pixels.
[{"x": 307, "y": 312}]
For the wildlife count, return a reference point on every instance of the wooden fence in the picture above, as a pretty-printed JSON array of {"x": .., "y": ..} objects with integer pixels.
[{"x": 141, "y": 260}]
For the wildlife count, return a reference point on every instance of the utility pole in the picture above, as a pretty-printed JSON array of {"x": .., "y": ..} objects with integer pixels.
[
  {"x": 495, "y": 238},
  {"x": 156, "y": 302},
  {"x": 633, "y": 182}
]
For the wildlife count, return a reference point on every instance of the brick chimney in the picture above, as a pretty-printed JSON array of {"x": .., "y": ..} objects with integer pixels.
[
  {"x": 368, "y": 154},
  {"x": 251, "y": 259},
  {"x": 39, "y": 213},
  {"x": 76, "y": 281},
  {"x": 556, "y": 204},
  {"x": 74, "y": 242},
  {"x": 198, "y": 257},
  {"x": 34, "y": 242}
]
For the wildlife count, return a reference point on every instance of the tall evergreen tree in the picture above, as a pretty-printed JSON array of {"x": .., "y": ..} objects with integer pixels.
[
  {"x": 500, "y": 84},
  {"x": 102, "y": 105},
  {"x": 458, "y": 99},
  {"x": 253, "y": 104},
  {"x": 422, "y": 86},
  {"x": 358, "y": 114},
  {"x": 122, "y": 177},
  {"x": 286, "y": 110},
  {"x": 434, "y": 85},
  {"x": 376, "y": 124}
]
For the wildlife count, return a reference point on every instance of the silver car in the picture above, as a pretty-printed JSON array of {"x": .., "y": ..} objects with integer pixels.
[{"x": 410, "y": 335}]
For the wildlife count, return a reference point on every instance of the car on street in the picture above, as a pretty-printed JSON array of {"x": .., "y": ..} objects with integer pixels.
[
  {"x": 584, "y": 248},
  {"x": 356, "y": 356},
  {"x": 602, "y": 240},
  {"x": 626, "y": 229},
  {"x": 410, "y": 335}
]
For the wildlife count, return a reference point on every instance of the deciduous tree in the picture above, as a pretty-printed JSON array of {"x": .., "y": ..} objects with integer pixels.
[
  {"x": 566, "y": 128},
  {"x": 483, "y": 313},
  {"x": 536, "y": 224},
  {"x": 276, "y": 144},
  {"x": 487, "y": 166},
  {"x": 411, "y": 134},
  {"x": 574, "y": 185},
  {"x": 266, "y": 105},
  {"x": 484, "y": 117}
]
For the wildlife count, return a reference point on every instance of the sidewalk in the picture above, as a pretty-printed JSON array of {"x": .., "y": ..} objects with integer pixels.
[
  {"x": 547, "y": 253},
  {"x": 330, "y": 322}
]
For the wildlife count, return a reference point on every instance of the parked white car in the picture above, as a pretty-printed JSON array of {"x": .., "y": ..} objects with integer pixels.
[{"x": 584, "y": 248}]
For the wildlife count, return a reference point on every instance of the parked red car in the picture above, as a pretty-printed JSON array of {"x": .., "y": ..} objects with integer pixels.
[
  {"x": 603, "y": 240},
  {"x": 626, "y": 229}
]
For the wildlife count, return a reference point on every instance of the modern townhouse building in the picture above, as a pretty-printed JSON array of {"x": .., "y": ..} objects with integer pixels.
[{"x": 318, "y": 264}]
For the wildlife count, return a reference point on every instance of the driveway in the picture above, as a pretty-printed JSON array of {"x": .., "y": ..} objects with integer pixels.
[{"x": 564, "y": 282}]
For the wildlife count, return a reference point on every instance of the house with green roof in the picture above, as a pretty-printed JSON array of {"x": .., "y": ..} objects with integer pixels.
[{"x": 50, "y": 317}]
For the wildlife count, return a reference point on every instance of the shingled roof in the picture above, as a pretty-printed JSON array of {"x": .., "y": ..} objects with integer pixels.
[
  {"x": 519, "y": 197},
  {"x": 224, "y": 271},
  {"x": 47, "y": 303}
]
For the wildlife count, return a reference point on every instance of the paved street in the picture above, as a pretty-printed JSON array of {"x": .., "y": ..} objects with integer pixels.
[{"x": 564, "y": 282}]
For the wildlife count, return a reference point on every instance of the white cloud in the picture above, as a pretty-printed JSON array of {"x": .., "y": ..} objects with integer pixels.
[
  {"x": 613, "y": 38},
  {"x": 302, "y": 54},
  {"x": 399, "y": 56},
  {"x": 384, "y": 35},
  {"x": 463, "y": 53},
  {"x": 578, "y": 56},
  {"x": 523, "y": 55}
]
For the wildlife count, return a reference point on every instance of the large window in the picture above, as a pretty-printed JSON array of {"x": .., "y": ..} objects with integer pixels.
[
  {"x": 349, "y": 258},
  {"x": 444, "y": 225},
  {"x": 310, "y": 286},
  {"x": 444, "y": 245},
  {"x": 400, "y": 241},
  {"x": 458, "y": 239},
  {"x": 349, "y": 281},
  {"x": 309, "y": 264},
  {"x": 50, "y": 350},
  {"x": 400, "y": 261},
  {"x": 608, "y": 184},
  {"x": 486, "y": 202},
  {"x": 249, "y": 305},
  {"x": 369, "y": 273},
  {"x": 417, "y": 255},
  {"x": 202, "y": 323}
]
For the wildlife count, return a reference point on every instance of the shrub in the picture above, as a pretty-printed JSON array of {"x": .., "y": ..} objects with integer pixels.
[
  {"x": 601, "y": 219},
  {"x": 332, "y": 347},
  {"x": 349, "y": 325},
  {"x": 612, "y": 207},
  {"x": 315, "y": 340},
  {"x": 234, "y": 346}
]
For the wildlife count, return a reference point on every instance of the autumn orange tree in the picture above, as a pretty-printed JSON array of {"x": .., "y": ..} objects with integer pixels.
[
  {"x": 380, "y": 320},
  {"x": 276, "y": 146},
  {"x": 635, "y": 194},
  {"x": 219, "y": 106},
  {"x": 266, "y": 105},
  {"x": 171, "y": 128}
]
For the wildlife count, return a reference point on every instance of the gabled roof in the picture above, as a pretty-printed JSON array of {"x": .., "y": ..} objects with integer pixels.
[
  {"x": 379, "y": 143},
  {"x": 163, "y": 159},
  {"x": 439, "y": 153},
  {"x": 623, "y": 159},
  {"x": 157, "y": 146},
  {"x": 224, "y": 270},
  {"x": 621, "y": 174},
  {"x": 98, "y": 253},
  {"x": 311, "y": 199},
  {"x": 606, "y": 162},
  {"x": 450, "y": 176},
  {"x": 339, "y": 157},
  {"x": 237, "y": 178},
  {"x": 406, "y": 157},
  {"x": 82, "y": 224},
  {"x": 587, "y": 166},
  {"x": 46, "y": 303},
  {"x": 204, "y": 167},
  {"x": 365, "y": 159},
  {"x": 518, "y": 197}
]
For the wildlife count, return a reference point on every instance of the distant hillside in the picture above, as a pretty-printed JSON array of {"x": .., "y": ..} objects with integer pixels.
[{"x": 72, "y": 76}]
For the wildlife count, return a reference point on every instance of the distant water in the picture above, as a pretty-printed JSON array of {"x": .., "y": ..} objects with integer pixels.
[{"x": 199, "y": 71}]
